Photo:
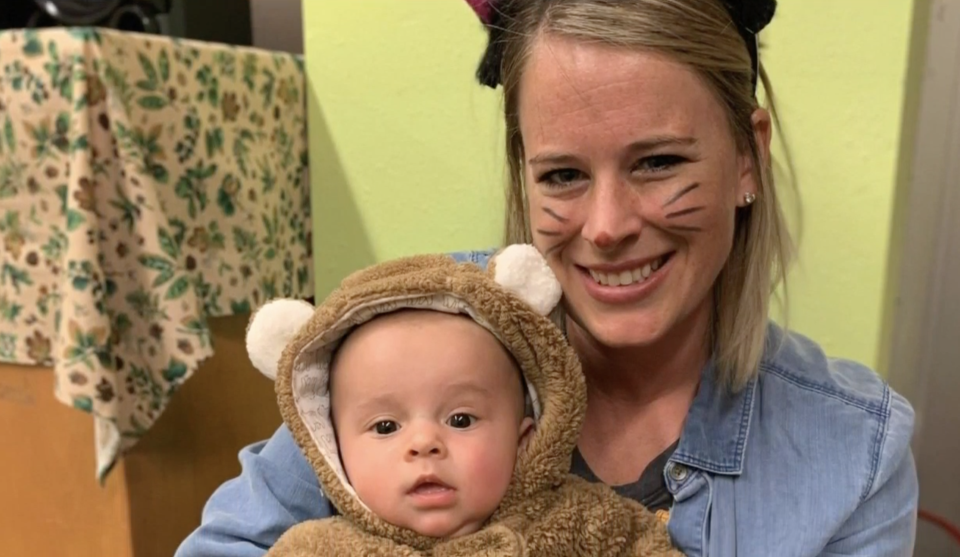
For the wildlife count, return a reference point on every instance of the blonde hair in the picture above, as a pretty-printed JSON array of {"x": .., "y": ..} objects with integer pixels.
[{"x": 700, "y": 34}]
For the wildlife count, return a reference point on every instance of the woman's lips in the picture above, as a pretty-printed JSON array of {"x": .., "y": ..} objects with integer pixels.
[{"x": 628, "y": 283}]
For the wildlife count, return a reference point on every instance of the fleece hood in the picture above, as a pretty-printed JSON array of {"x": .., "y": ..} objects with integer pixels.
[{"x": 293, "y": 343}]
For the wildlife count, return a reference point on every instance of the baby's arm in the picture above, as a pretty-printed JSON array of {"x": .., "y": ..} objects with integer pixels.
[
  {"x": 598, "y": 521},
  {"x": 646, "y": 535},
  {"x": 334, "y": 537},
  {"x": 652, "y": 537}
]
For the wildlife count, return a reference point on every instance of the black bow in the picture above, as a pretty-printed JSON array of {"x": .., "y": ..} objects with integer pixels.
[
  {"x": 501, "y": 13},
  {"x": 750, "y": 17}
]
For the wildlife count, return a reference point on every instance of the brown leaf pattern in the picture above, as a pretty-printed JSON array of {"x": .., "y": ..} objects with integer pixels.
[{"x": 142, "y": 191}]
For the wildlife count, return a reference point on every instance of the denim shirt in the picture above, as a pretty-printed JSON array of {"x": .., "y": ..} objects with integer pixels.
[{"x": 811, "y": 458}]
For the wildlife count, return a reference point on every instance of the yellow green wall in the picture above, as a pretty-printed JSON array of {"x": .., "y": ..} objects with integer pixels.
[
  {"x": 839, "y": 68},
  {"x": 406, "y": 153}
]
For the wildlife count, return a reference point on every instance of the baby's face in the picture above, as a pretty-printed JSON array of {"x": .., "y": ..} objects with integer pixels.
[{"x": 428, "y": 409}]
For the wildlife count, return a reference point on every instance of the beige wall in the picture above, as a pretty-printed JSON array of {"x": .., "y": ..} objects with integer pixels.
[{"x": 924, "y": 312}]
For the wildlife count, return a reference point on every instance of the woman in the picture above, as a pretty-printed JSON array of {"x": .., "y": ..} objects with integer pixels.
[{"x": 640, "y": 167}]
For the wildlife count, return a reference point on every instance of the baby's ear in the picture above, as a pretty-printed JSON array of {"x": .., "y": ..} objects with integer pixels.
[
  {"x": 271, "y": 328},
  {"x": 521, "y": 269},
  {"x": 527, "y": 427}
]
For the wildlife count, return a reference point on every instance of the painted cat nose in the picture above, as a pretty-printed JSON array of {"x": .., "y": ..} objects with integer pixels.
[{"x": 612, "y": 216}]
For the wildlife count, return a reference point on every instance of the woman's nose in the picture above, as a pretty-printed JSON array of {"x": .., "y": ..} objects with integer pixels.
[
  {"x": 426, "y": 442},
  {"x": 613, "y": 215}
]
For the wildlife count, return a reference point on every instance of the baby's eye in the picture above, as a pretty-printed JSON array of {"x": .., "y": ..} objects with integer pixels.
[
  {"x": 386, "y": 427},
  {"x": 461, "y": 421}
]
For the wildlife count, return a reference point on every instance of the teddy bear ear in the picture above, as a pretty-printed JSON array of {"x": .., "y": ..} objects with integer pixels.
[
  {"x": 521, "y": 269},
  {"x": 271, "y": 328}
]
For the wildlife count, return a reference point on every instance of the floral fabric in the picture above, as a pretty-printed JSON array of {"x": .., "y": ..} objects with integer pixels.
[{"x": 146, "y": 184}]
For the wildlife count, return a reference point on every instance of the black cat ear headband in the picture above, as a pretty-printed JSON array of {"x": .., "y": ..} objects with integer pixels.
[{"x": 750, "y": 17}]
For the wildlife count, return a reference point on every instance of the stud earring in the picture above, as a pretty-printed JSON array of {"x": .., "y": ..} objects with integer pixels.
[{"x": 749, "y": 198}]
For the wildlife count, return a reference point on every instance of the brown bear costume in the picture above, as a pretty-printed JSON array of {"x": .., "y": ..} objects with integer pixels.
[{"x": 546, "y": 511}]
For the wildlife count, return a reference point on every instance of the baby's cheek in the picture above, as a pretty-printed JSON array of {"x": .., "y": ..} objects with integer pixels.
[
  {"x": 373, "y": 487},
  {"x": 490, "y": 473}
]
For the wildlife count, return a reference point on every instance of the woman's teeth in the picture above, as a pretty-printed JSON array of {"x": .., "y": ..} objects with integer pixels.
[{"x": 626, "y": 278}]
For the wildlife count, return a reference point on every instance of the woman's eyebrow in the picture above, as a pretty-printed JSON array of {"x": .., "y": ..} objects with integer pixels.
[
  {"x": 661, "y": 141},
  {"x": 552, "y": 158},
  {"x": 643, "y": 145}
]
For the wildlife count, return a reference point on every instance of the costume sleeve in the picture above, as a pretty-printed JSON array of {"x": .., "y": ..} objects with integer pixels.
[
  {"x": 276, "y": 489},
  {"x": 885, "y": 522},
  {"x": 595, "y": 520},
  {"x": 620, "y": 518}
]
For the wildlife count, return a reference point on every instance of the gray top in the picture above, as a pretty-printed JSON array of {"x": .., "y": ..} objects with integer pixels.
[{"x": 650, "y": 489}]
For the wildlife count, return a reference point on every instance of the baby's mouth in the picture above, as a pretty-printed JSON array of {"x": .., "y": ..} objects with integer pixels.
[
  {"x": 429, "y": 485},
  {"x": 430, "y": 489}
]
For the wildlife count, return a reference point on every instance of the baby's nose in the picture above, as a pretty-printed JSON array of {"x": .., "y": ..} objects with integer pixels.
[{"x": 426, "y": 442}]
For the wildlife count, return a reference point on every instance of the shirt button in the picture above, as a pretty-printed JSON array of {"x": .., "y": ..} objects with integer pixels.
[{"x": 678, "y": 472}]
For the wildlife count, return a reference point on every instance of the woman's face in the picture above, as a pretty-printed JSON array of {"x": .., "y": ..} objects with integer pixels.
[{"x": 633, "y": 179}]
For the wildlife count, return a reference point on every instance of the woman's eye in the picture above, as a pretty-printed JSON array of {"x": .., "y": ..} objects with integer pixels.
[
  {"x": 386, "y": 427},
  {"x": 660, "y": 163},
  {"x": 562, "y": 177},
  {"x": 461, "y": 421}
]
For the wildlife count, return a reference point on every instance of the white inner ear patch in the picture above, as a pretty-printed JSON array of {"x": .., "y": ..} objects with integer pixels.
[
  {"x": 521, "y": 269},
  {"x": 311, "y": 370}
]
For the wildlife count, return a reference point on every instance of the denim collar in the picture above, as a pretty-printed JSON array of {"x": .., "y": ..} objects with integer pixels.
[{"x": 714, "y": 437}]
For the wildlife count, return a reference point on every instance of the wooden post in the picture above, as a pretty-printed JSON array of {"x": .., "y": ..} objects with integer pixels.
[{"x": 53, "y": 505}]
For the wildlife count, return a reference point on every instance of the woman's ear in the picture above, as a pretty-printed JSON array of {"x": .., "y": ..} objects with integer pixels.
[
  {"x": 527, "y": 427},
  {"x": 762, "y": 134}
]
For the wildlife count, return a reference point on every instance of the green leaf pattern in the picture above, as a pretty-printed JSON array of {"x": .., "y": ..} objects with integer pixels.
[{"x": 146, "y": 185}]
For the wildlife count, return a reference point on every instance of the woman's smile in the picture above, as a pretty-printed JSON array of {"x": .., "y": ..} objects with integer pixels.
[{"x": 627, "y": 282}]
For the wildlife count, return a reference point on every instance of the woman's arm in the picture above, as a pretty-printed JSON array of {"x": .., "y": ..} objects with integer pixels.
[
  {"x": 276, "y": 490},
  {"x": 885, "y": 523}
]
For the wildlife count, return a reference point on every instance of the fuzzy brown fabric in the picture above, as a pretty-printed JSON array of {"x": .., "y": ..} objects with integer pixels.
[{"x": 546, "y": 510}]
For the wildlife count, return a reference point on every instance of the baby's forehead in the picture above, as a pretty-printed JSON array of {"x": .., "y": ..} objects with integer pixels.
[
  {"x": 436, "y": 389},
  {"x": 445, "y": 351},
  {"x": 425, "y": 327}
]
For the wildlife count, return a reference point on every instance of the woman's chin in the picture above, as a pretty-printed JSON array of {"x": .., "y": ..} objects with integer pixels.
[
  {"x": 623, "y": 333},
  {"x": 625, "y": 340}
]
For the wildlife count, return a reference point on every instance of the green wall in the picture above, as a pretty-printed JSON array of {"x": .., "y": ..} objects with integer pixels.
[
  {"x": 840, "y": 70},
  {"x": 406, "y": 149}
]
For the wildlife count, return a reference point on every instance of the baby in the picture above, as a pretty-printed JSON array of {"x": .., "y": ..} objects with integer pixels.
[
  {"x": 428, "y": 410},
  {"x": 440, "y": 407}
]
